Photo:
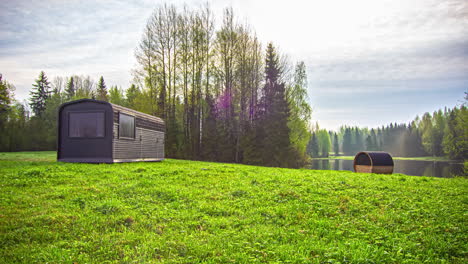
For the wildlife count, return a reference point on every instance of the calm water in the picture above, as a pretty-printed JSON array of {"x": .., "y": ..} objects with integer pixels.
[{"x": 444, "y": 169}]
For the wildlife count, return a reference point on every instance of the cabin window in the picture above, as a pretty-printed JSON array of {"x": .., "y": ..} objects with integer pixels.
[
  {"x": 126, "y": 126},
  {"x": 86, "y": 125}
]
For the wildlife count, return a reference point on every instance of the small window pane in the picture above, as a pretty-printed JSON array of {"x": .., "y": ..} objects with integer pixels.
[
  {"x": 86, "y": 125},
  {"x": 126, "y": 126}
]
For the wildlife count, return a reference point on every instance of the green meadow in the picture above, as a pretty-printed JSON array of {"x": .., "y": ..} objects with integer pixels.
[{"x": 179, "y": 211}]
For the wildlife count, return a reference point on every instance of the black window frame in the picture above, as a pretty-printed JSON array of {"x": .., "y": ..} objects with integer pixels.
[
  {"x": 134, "y": 126},
  {"x": 86, "y": 112}
]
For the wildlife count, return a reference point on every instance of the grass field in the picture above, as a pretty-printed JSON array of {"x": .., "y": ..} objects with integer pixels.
[{"x": 191, "y": 212}]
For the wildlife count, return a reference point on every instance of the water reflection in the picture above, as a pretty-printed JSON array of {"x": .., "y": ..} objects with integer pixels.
[{"x": 443, "y": 169}]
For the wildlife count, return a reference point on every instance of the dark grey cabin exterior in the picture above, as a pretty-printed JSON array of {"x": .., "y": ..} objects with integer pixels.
[{"x": 93, "y": 131}]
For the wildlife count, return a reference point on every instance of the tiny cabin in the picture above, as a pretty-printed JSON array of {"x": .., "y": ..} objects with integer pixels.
[
  {"x": 373, "y": 162},
  {"x": 93, "y": 131}
]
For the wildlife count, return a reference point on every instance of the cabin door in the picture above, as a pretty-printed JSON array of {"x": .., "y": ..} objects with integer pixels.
[{"x": 149, "y": 143}]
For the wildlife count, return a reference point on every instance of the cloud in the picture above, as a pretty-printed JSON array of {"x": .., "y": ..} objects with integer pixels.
[
  {"x": 441, "y": 61},
  {"x": 355, "y": 51},
  {"x": 73, "y": 37}
]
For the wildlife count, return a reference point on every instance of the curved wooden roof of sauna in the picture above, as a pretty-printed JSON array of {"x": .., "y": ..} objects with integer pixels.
[{"x": 373, "y": 158}]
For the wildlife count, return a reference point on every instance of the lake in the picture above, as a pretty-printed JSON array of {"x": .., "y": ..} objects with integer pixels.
[{"x": 445, "y": 169}]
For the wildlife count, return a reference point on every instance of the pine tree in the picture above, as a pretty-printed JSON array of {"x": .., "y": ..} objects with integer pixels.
[
  {"x": 455, "y": 140},
  {"x": 101, "y": 90},
  {"x": 426, "y": 128},
  {"x": 6, "y": 98},
  {"x": 336, "y": 145},
  {"x": 6, "y": 95},
  {"x": 313, "y": 146},
  {"x": 272, "y": 74},
  {"x": 131, "y": 94},
  {"x": 369, "y": 145},
  {"x": 70, "y": 89},
  {"x": 360, "y": 144},
  {"x": 277, "y": 149},
  {"x": 39, "y": 94},
  {"x": 440, "y": 122},
  {"x": 371, "y": 141},
  {"x": 116, "y": 95},
  {"x": 210, "y": 149},
  {"x": 347, "y": 146}
]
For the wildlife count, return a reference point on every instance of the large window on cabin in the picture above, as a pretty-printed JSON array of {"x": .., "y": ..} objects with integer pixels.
[
  {"x": 126, "y": 126},
  {"x": 86, "y": 125}
]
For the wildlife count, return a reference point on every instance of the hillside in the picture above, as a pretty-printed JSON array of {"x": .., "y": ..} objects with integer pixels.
[{"x": 179, "y": 211}]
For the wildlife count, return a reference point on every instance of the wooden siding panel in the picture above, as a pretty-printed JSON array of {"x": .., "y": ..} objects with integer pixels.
[
  {"x": 141, "y": 120},
  {"x": 151, "y": 145},
  {"x": 151, "y": 125},
  {"x": 125, "y": 148}
]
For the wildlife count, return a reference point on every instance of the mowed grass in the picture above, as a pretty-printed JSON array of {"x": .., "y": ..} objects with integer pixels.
[{"x": 179, "y": 211}]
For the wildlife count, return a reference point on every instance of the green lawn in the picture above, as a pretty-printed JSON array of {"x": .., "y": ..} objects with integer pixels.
[{"x": 191, "y": 212}]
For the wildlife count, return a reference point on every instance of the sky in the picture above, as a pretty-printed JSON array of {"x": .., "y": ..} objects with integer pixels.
[{"x": 369, "y": 62}]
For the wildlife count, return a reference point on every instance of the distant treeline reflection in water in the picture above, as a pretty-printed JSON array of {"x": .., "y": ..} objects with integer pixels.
[{"x": 444, "y": 169}]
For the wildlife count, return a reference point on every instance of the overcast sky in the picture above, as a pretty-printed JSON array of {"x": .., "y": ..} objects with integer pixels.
[{"x": 369, "y": 62}]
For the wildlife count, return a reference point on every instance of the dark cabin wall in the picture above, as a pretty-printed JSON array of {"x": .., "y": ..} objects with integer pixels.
[{"x": 85, "y": 149}]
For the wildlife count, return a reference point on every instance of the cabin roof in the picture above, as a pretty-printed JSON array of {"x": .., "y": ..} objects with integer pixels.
[
  {"x": 116, "y": 107},
  {"x": 128, "y": 110}
]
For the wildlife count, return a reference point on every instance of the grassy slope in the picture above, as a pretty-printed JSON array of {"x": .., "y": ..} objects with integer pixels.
[{"x": 184, "y": 212}]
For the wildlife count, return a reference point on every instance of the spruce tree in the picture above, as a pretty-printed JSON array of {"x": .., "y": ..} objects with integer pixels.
[
  {"x": 70, "y": 89},
  {"x": 116, "y": 95},
  {"x": 313, "y": 146},
  {"x": 277, "y": 147},
  {"x": 360, "y": 144},
  {"x": 369, "y": 145},
  {"x": 336, "y": 145},
  {"x": 39, "y": 94},
  {"x": 455, "y": 140},
  {"x": 373, "y": 141},
  {"x": 6, "y": 95},
  {"x": 210, "y": 150},
  {"x": 101, "y": 91},
  {"x": 347, "y": 147},
  {"x": 6, "y": 98},
  {"x": 131, "y": 94}
]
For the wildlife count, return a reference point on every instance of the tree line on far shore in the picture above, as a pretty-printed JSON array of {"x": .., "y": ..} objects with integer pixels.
[{"x": 443, "y": 133}]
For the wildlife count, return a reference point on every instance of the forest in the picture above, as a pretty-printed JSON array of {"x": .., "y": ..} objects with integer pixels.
[
  {"x": 224, "y": 97},
  {"x": 442, "y": 134}
]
